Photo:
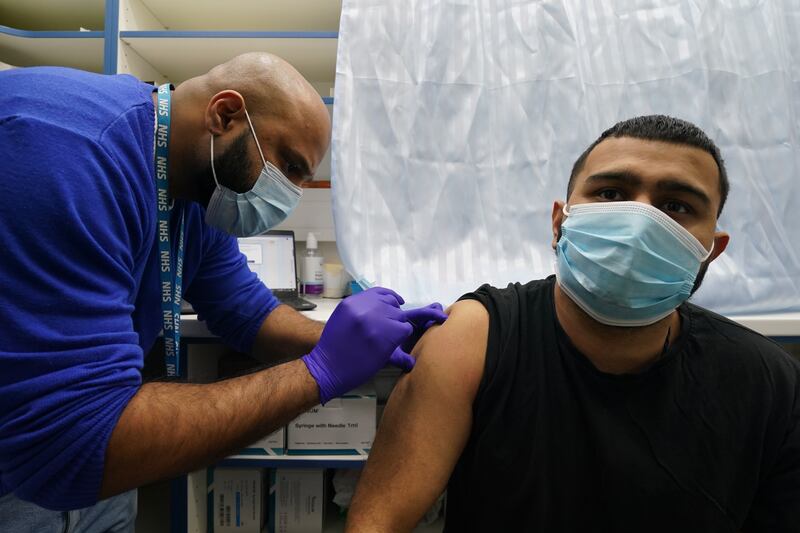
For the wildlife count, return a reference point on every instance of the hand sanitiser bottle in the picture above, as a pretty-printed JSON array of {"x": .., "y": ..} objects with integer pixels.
[{"x": 312, "y": 271}]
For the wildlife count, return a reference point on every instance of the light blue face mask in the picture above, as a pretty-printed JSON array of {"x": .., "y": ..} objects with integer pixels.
[
  {"x": 261, "y": 208},
  {"x": 626, "y": 263}
]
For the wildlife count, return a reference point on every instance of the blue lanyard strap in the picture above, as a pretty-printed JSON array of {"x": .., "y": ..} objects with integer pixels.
[{"x": 170, "y": 291}]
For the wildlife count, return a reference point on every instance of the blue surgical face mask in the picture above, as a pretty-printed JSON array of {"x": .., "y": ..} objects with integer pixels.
[
  {"x": 626, "y": 263},
  {"x": 261, "y": 208}
]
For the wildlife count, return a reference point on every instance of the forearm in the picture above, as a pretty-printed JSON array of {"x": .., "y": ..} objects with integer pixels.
[
  {"x": 171, "y": 428},
  {"x": 285, "y": 334}
]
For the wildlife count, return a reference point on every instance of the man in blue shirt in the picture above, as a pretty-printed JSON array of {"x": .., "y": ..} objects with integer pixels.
[{"x": 105, "y": 186}]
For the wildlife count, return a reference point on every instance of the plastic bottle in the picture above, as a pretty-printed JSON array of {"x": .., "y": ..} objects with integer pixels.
[{"x": 312, "y": 271}]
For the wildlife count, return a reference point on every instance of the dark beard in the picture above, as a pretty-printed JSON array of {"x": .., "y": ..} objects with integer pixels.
[
  {"x": 699, "y": 279},
  {"x": 233, "y": 170}
]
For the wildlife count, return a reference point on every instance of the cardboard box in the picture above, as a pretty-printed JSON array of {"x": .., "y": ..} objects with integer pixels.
[
  {"x": 236, "y": 496},
  {"x": 344, "y": 426},
  {"x": 297, "y": 499},
  {"x": 273, "y": 444}
]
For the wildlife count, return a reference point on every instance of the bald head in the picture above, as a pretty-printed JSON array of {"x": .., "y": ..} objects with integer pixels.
[
  {"x": 290, "y": 123},
  {"x": 269, "y": 85}
]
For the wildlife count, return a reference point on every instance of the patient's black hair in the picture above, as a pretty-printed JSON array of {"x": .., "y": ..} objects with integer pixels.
[{"x": 665, "y": 129}]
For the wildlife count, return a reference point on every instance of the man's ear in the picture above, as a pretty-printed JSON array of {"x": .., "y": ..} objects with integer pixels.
[
  {"x": 721, "y": 240},
  {"x": 223, "y": 110},
  {"x": 557, "y": 216}
]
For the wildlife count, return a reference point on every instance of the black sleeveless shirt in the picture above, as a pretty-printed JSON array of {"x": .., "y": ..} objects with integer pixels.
[{"x": 707, "y": 439}]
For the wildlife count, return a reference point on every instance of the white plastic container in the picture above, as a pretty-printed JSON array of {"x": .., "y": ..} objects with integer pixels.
[{"x": 333, "y": 277}]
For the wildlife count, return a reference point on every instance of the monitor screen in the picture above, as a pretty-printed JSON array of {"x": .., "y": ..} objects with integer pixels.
[{"x": 271, "y": 257}]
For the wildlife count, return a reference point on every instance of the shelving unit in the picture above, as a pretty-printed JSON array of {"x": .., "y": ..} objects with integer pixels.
[
  {"x": 189, "y": 492},
  {"x": 196, "y": 491},
  {"x": 275, "y": 15},
  {"x": 38, "y": 15},
  {"x": 295, "y": 461},
  {"x": 49, "y": 32},
  {"x": 175, "y": 40},
  {"x": 179, "y": 55},
  {"x": 77, "y": 49}
]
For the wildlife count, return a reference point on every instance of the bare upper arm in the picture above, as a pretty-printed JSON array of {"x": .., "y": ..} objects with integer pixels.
[{"x": 425, "y": 426}]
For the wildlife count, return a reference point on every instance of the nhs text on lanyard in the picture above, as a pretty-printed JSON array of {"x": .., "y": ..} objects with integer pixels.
[{"x": 170, "y": 286}]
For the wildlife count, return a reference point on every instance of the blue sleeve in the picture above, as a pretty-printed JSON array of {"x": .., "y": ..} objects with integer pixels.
[
  {"x": 71, "y": 229},
  {"x": 226, "y": 294}
]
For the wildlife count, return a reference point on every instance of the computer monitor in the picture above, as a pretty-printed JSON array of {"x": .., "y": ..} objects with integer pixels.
[{"x": 272, "y": 257}]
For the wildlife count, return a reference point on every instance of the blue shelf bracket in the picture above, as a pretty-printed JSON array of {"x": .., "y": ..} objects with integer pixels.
[{"x": 111, "y": 37}]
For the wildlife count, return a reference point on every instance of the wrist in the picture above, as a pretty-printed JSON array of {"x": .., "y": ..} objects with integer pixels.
[
  {"x": 316, "y": 335},
  {"x": 319, "y": 374}
]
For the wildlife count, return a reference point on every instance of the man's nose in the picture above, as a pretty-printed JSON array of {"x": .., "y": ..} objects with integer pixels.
[{"x": 644, "y": 197}]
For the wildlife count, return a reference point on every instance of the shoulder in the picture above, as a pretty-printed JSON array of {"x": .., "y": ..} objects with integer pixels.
[
  {"x": 76, "y": 127},
  {"x": 468, "y": 317},
  {"x": 462, "y": 334},
  {"x": 510, "y": 309},
  {"x": 453, "y": 354},
  {"x": 512, "y": 297},
  {"x": 737, "y": 349},
  {"x": 724, "y": 332},
  {"x": 81, "y": 103}
]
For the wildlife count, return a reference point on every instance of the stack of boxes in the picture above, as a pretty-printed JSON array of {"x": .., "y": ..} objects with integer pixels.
[
  {"x": 237, "y": 498},
  {"x": 296, "y": 500},
  {"x": 295, "y": 496}
]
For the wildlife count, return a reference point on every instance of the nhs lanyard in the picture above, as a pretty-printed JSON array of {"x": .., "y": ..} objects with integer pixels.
[{"x": 170, "y": 291}]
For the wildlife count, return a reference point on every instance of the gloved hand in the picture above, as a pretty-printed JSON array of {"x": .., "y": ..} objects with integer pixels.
[
  {"x": 362, "y": 335},
  {"x": 421, "y": 318}
]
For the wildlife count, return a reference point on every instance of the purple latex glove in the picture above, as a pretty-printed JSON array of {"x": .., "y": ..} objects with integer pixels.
[
  {"x": 362, "y": 335},
  {"x": 421, "y": 318}
]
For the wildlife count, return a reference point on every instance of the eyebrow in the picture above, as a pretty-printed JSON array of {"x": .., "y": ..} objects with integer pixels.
[{"x": 666, "y": 184}]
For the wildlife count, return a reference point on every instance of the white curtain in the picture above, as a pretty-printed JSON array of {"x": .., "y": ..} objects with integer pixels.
[{"x": 456, "y": 124}]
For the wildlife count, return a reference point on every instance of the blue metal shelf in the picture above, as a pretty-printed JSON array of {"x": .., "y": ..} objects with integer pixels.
[
  {"x": 111, "y": 34},
  {"x": 45, "y": 34},
  {"x": 295, "y": 461},
  {"x": 228, "y": 34}
]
